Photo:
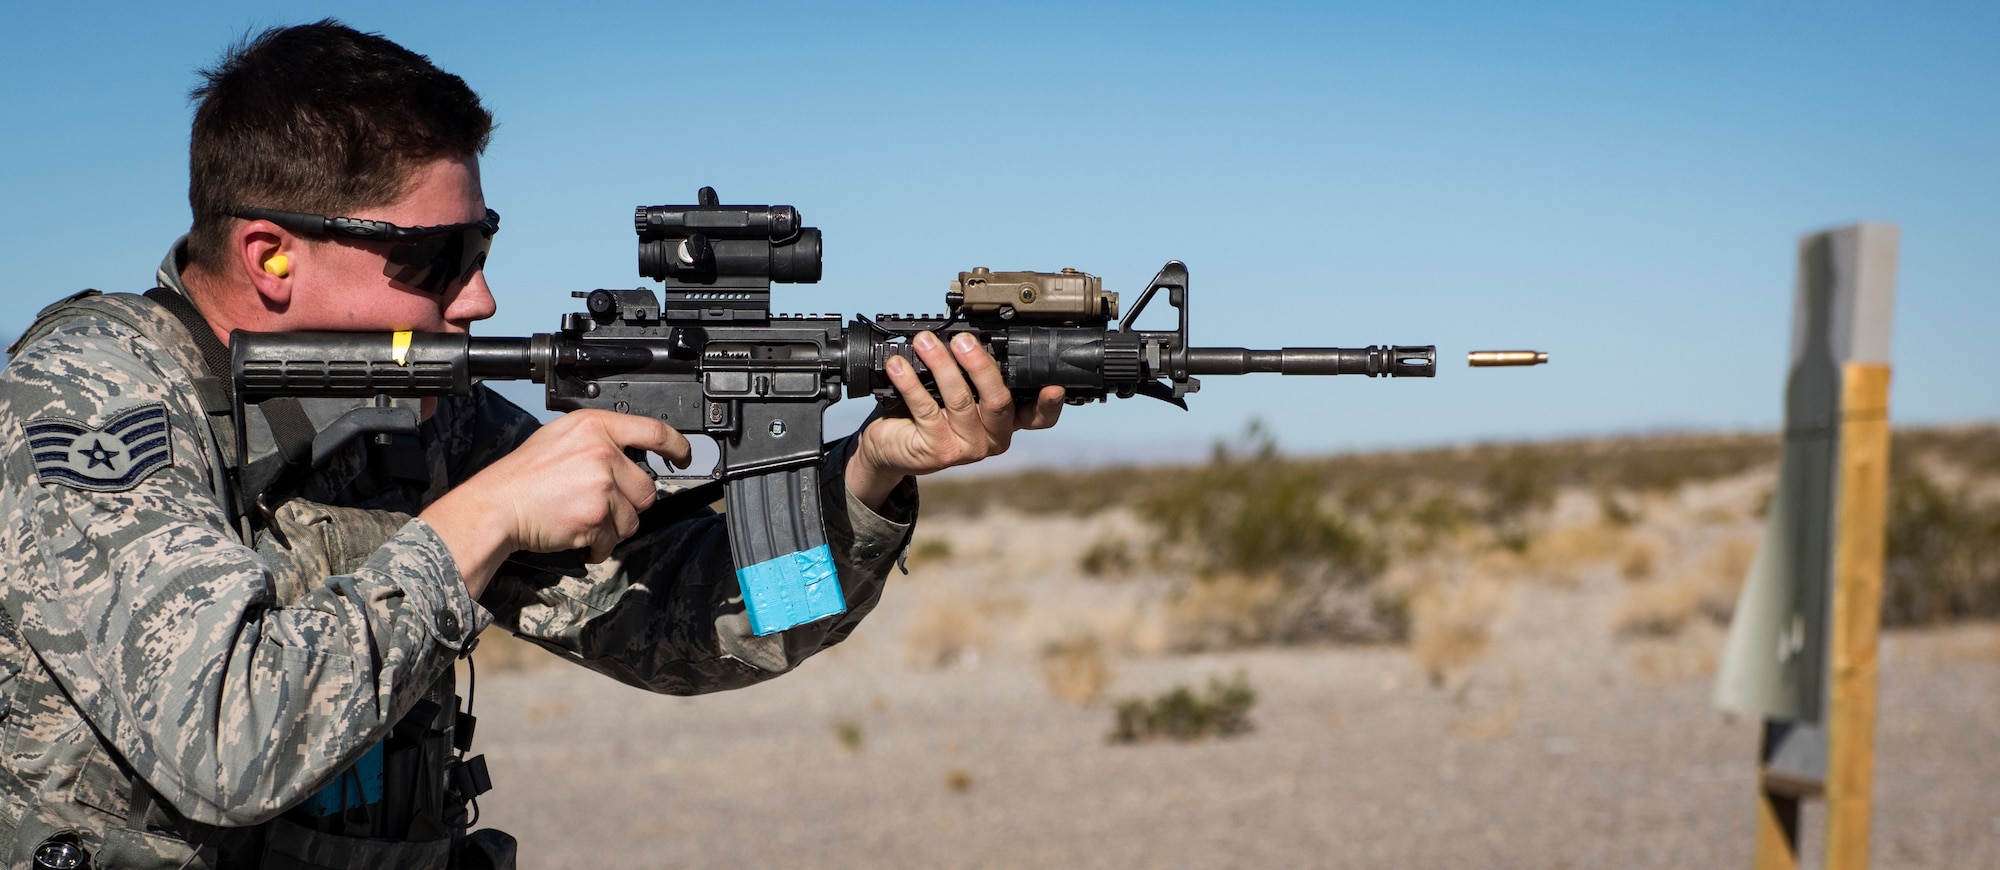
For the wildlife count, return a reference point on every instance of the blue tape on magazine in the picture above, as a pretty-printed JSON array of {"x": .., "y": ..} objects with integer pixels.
[
  {"x": 793, "y": 589},
  {"x": 355, "y": 787}
]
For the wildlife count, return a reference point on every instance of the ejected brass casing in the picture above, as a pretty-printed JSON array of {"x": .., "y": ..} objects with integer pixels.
[{"x": 1484, "y": 358}]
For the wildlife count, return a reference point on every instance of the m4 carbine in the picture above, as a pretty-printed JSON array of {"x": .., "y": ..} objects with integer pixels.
[{"x": 706, "y": 355}]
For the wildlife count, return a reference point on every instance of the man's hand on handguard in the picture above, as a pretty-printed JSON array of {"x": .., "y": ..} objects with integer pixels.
[
  {"x": 569, "y": 486},
  {"x": 974, "y": 420}
]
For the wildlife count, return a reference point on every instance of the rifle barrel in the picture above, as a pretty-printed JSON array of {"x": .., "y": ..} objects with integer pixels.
[{"x": 1373, "y": 361}]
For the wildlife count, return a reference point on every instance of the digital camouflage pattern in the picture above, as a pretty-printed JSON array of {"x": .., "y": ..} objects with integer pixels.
[{"x": 140, "y": 637}]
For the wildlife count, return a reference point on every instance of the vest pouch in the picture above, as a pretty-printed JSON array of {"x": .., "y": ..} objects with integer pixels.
[
  {"x": 106, "y": 842},
  {"x": 487, "y": 849},
  {"x": 291, "y": 846}
]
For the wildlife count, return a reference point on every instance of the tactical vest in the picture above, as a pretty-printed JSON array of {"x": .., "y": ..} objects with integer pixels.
[{"x": 403, "y": 805}]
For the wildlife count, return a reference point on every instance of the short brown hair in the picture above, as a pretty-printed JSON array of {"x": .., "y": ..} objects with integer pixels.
[{"x": 319, "y": 118}]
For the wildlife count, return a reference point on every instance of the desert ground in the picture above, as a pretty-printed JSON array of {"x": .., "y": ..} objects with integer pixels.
[{"x": 1542, "y": 705}]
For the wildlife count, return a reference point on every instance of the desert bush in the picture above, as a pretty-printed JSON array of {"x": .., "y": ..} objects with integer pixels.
[
  {"x": 1451, "y": 626},
  {"x": 1435, "y": 520},
  {"x": 1973, "y": 448},
  {"x": 1656, "y": 610},
  {"x": 1722, "y": 575},
  {"x": 1943, "y": 552},
  {"x": 848, "y": 733},
  {"x": 1107, "y": 557},
  {"x": 1518, "y": 487},
  {"x": 1079, "y": 492},
  {"x": 924, "y": 551},
  {"x": 1706, "y": 591},
  {"x": 1181, "y": 714},
  {"x": 1616, "y": 510},
  {"x": 1256, "y": 514},
  {"x": 1376, "y": 480},
  {"x": 1076, "y": 668},
  {"x": 1665, "y": 464},
  {"x": 1231, "y": 611},
  {"x": 1637, "y": 564},
  {"x": 945, "y": 631},
  {"x": 1271, "y": 561}
]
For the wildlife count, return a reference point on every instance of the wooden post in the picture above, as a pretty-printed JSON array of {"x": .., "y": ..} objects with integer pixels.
[
  {"x": 1857, "y": 612},
  {"x": 1802, "y": 649}
]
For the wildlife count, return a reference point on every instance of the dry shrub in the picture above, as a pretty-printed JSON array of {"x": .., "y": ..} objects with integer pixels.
[
  {"x": 1146, "y": 631},
  {"x": 1619, "y": 509},
  {"x": 1722, "y": 574},
  {"x": 1690, "y": 655},
  {"x": 1223, "y": 612},
  {"x": 1644, "y": 464},
  {"x": 1436, "y": 520},
  {"x": 1973, "y": 448},
  {"x": 946, "y": 631},
  {"x": 1706, "y": 591},
  {"x": 1255, "y": 513},
  {"x": 1077, "y": 669},
  {"x": 1563, "y": 554},
  {"x": 1078, "y": 492},
  {"x": 1273, "y": 560},
  {"x": 1943, "y": 550},
  {"x": 958, "y": 780},
  {"x": 1108, "y": 556},
  {"x": 1181, "y": 714},
  {"x": 1518, "y": 488},
  {"x": 1231, "y": 611},
  {"x": 1656, "y": 610},
  {"x": 1451, "y": 625},
  {"x": 848, "y": 733},
  {"x": 1637, "y": 564},
  {"x": 925, "y": 551}
]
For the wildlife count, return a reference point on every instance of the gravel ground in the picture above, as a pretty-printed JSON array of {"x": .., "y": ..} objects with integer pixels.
[{"x": 1562, "y": 746}]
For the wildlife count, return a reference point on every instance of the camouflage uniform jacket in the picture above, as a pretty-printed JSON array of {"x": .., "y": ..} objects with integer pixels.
[{"x": 141, "y": 640}]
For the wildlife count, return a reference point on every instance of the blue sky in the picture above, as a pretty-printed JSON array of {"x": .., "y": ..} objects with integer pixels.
[{"x": 1622, "y": 185}]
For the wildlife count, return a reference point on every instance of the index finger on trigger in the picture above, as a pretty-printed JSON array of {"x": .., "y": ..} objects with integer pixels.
[
  {"x": 635, "y": 484},
  {"x": 646, "y": 433}
]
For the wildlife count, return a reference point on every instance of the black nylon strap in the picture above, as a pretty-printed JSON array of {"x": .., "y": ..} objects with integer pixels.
[
  {"x": 212, "y": 384},
  {"x": 291, "y": 429},
  {"x": 141, "y": 801}
]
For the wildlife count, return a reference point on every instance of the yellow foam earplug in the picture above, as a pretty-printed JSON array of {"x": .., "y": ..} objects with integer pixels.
[{"x": 278, "y": 265}]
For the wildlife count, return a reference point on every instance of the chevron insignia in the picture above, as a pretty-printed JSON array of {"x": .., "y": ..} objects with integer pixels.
[{"x": 108, "y": 458}]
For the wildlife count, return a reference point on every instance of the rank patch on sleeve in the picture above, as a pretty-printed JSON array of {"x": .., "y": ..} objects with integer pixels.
[{"x": 108, "y": 458}]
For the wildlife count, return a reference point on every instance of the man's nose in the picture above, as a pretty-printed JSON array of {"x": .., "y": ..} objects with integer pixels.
[{"x": 472, "y": 302}]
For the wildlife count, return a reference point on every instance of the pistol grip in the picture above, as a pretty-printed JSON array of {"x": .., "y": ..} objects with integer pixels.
[{"x": 783, "y": 562}]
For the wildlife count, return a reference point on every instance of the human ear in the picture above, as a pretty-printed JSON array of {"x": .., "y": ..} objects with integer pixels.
[{"x": 265, "y": 255}]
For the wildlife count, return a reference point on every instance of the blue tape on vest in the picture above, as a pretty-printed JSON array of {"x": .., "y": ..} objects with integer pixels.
[
  {"x": 793, "y": 589},
  {"x": 357, "y": 786}
]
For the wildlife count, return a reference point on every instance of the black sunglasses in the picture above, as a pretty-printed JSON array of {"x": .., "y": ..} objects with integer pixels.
[{"x": 430, "y": 259}]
